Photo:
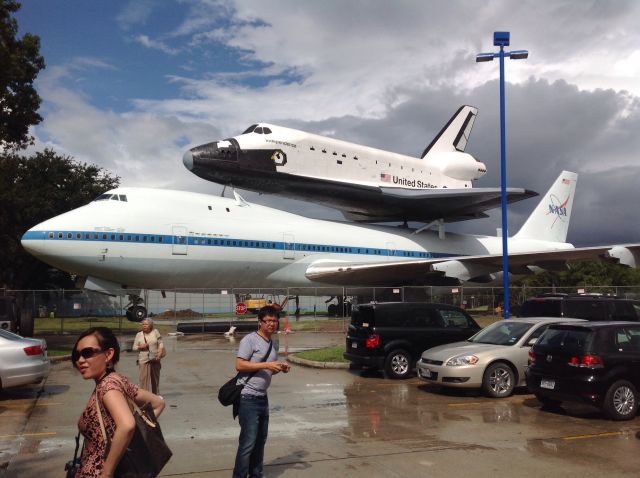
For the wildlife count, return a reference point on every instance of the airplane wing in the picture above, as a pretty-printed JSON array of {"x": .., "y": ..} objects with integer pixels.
[
  {"x": 393, "y": 204},
  {"x": 464, "y": 268}
]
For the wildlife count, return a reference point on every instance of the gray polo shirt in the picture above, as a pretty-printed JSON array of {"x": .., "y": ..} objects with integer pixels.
[{"x": 253, "y": 348}]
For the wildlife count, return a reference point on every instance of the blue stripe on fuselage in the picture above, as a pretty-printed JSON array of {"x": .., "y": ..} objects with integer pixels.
[{"x": 174, "y": 240}]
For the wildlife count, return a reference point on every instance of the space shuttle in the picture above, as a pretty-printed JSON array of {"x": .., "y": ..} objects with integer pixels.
[{"x": 366, "y": 184}]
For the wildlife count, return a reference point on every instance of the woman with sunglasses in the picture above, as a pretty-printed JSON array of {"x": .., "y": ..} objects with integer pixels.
[{"x": 94, "y": 355}]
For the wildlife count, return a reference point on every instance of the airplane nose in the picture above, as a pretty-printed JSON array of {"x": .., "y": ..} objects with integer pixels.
[
  {"x": 33, "y": 241},
  {"x": 187, "y": 160}
]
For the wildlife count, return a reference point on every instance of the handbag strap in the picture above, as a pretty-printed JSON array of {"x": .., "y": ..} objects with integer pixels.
[
  {"x": 134, "y": 408},
  {"x": 75, "y": 453}
]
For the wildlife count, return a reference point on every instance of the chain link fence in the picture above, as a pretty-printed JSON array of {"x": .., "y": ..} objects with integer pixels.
[{"x": 68, "y": 311}]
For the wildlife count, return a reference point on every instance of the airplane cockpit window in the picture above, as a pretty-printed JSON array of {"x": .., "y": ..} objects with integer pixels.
[
  {"x": 258, "y": 130},
  {"x": 250, "y": 129},
  {"x": 266, "y": 130},
  {"x": 113, "y": 197}
]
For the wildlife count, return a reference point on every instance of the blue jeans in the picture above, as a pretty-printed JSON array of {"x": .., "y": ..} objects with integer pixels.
[{"x": 253, "y": 416}]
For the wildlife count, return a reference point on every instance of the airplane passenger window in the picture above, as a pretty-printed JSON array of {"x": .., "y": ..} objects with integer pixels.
[
  {"x": 160, "y": 239},
  {"x": 69, "y": 235},
  {"x": 153, "y": 238},
  {"x": 51, "y": 235},
  {"x": 208, "y": 242},
  {"x": 355, "y": 157},
  {"x": 104, "y": 236},
  {"x": 78, "y": 236},
  {"x": 335, "y": 154},
  {"x": 266, "y": 130},
  {"x": 121, "y": 237},
  {"x": 128, "y": 238},
  {"x": 250, "y": 129},
  {"x": 95, "y": 236},
  {"x": 339, "y": 162},
  {"x": 113, "y": 237},
  {"x": 137, "y": 238},
  {"x": 344, "y": 155},
  {"x": 210, "y": 209},
  {"x": 312, "y": 148},
  {"x": 324, "y": 150}
]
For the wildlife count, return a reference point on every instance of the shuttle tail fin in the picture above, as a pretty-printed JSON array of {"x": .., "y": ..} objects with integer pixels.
[
  {"x": 549, "y": 221},
  {"x": 455, "y": 134}
]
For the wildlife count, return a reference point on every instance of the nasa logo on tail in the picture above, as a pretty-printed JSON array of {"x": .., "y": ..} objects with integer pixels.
[
  {"x": 559, "y": 208},
  {"x": 279, "y": 157}
]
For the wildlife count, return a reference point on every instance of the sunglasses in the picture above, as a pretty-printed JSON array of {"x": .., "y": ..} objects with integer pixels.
[{"x": 85, "y": 353}]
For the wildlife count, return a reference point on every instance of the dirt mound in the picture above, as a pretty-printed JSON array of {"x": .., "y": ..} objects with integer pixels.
[{"x": 179, "y": 313}]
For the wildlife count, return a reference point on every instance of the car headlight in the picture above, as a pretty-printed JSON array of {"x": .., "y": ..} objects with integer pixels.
[{"x": 461, "y": 360}]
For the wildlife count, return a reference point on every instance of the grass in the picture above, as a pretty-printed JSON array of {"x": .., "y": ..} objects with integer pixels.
[
  {"x": 78, "y": 324},
  {"x": 329, "y": 354},
  {"x": 59, "y": 350}
]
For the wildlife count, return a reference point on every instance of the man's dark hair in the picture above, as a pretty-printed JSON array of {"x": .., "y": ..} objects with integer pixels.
[
  {"x": 106, "y": 339},
  {"x": 269, "y": 310}
]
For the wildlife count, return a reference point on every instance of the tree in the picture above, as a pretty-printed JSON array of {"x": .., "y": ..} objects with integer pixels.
[
  {"x": 20, "y": 63},
  {"x": 587, "y": 274},
  {"x": 32, "y": 190}
]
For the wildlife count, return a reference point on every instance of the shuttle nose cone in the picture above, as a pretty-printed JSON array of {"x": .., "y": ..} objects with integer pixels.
[{"x": 187, "y": 160}]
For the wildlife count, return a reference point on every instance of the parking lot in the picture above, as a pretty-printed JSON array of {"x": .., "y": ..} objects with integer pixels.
[{"x": 326, "y": 422}]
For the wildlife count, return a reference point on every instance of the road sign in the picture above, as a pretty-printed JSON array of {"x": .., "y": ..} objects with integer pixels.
[{"x": 241, "y": 308}]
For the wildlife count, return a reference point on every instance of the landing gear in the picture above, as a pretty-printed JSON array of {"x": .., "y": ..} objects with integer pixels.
[{"x": 135, "y": 309}]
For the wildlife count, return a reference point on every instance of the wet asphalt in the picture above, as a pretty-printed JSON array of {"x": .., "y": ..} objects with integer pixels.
[{"x": 326, "y": 423}]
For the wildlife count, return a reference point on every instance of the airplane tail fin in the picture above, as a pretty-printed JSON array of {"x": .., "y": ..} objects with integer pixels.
[
  {"x": 455, "y": 134},
  {"x": 549, "y": 221}
]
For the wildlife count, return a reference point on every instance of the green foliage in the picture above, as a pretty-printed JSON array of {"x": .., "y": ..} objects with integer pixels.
[
  {"x": 20, "y": 63},
  {"x": 329, "y": 354},
  {"x": 586, "y": 274},
  {"x": 32, "y": 190}
]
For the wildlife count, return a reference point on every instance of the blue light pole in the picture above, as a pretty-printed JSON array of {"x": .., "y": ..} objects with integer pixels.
[{"x": 501, "y": 39}]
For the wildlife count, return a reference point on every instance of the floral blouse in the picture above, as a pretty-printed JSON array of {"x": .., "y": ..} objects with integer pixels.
[{"x": 95, "y": 448}]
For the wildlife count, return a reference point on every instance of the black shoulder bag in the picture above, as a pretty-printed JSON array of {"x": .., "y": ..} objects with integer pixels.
[{"x": 229, "y": 393}]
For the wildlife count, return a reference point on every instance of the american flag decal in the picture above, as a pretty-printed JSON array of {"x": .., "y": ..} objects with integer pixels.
[{"x": 385, "y": 177}]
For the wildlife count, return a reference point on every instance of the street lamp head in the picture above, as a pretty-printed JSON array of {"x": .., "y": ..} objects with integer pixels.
[
  {"x": 500, "y": 38},
  {"x": 519, "y": 55},
  {"x": 480, "y": 57}
]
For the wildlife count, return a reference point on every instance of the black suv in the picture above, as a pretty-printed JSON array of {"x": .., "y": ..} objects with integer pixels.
[
  {"x": 581, "y": 306},
  {"x": 391, "y": 336},
  {"x": 596, "y": 363}
]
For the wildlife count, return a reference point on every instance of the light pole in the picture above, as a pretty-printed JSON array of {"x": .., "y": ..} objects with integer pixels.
[{"x": 501, "y": 39}]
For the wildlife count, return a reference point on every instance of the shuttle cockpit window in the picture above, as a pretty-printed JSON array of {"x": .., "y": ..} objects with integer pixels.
[
  {"x": 250, "y": 129},
  {"x": 258, "y": 130},
  {"x": 103, "y": 197},
  {"x": 113, "y": 197}
]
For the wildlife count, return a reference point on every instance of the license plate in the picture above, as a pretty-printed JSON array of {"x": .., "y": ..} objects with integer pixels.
[
  {"x": 548, "y": 384},
  {"x": 354, "y": 345}
]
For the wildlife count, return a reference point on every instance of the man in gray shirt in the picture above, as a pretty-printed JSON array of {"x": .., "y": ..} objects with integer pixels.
[{"x": 253, "y": 410}]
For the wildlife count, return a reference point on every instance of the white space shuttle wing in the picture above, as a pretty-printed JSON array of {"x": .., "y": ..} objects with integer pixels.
[{"x": 465, "y": 268}]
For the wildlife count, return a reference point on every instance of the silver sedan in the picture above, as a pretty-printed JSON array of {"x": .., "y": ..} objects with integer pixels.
[
  {"x": 22, "y": 360},
  {"x": 494, "y": 359}
]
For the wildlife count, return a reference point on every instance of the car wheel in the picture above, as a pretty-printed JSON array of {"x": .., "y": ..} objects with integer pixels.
[
  {"x": 548, "y": 402},
  {"x": 498, "y": 380},
  {"x": 621, "y": 401},
  {"x": 398, "y": 364}
]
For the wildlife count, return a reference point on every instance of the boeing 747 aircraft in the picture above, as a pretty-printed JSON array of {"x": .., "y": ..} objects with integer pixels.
[
  {"x": 134, "y": 238},
  {"x": 365, "y": 184}
]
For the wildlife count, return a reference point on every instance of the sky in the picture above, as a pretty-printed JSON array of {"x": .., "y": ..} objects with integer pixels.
[{"x": 131, "y": 85}]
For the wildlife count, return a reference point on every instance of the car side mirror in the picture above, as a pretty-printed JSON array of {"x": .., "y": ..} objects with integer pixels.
[{"x": 532, "y": 341}]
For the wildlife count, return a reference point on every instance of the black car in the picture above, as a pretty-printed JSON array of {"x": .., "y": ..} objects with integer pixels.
[
  {"x": 592, "y": 362},
  {"x": 391, "y": 336},
  {"x": 581, "y": 306}
]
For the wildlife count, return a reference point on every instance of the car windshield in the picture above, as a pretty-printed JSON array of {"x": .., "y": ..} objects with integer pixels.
[
  {"x": 5, "y": 334},
  {"x": 501, "y": 333}
]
